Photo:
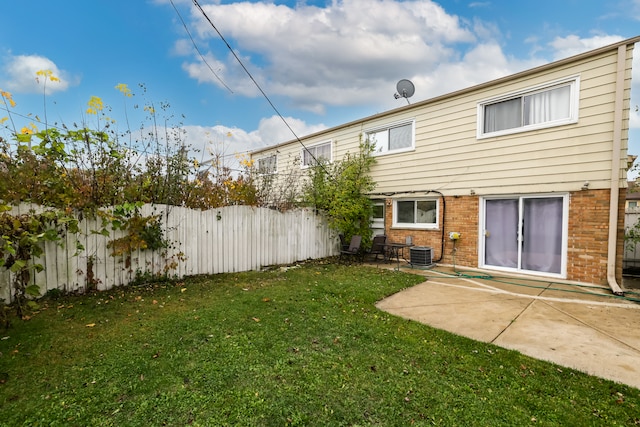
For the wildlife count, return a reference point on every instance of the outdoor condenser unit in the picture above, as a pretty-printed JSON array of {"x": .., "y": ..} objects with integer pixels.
[{"x": 421, "y": 256}]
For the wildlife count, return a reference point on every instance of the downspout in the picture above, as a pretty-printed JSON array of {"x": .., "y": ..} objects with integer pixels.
[{"x": 614, "y": 203}]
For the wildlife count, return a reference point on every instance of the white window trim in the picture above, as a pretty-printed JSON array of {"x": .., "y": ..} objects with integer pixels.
[
  {"x": 573, "y": 108},
  {"x": 421, "y": 226},
  {"x": 392, "y": 125},
  {"x": 329, "y": 142},
  {"x": 565, "y": 234},
  {"x": 274, "y": 171},
  {"x": 378, "y": 222}
]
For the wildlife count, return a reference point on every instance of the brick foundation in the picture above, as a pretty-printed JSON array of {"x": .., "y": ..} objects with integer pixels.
[{"x": 587, "y": 234}]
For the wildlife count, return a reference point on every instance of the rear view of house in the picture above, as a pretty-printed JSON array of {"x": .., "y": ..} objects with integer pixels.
[{"x": 529, "y": 170}]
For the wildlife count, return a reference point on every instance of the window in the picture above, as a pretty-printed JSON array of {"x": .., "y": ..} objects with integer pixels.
[
  {"x": 525, "y": 233},
  {"x": 552, "y": 105},
  {"x": 377, "y": 216},
  {"x": 421, "y": 213},
  {"x": 633, "y": 204},
  {"x": 268, "y": 165},
  {"x": 312, "y": 154},
  {"x": 377, "y": 207},
  {"x": 398, "y": 137}
]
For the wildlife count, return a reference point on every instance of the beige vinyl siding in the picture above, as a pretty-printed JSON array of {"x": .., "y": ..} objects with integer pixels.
[{"x": 449, "y": 158}]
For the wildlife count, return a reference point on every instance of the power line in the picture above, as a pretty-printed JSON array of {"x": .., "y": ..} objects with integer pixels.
[
  {"x": 198, "y": 50},
  {"x": 195, "y": 2}
]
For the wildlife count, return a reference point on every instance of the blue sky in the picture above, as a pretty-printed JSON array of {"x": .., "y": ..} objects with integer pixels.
[{"x": 320, "y": 63}]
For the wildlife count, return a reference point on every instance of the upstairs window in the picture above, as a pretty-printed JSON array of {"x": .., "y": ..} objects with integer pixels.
[
  {"x": 416, "y": 213},
  {"x": 268, "y": 165},
  {"x": 552, "y": 105},
  {"x": 313, "y": 154},
  {"x": 397, "y": 137}
]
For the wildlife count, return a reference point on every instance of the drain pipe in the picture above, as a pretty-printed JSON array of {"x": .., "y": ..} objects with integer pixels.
[{"x": 615, "y": 172}]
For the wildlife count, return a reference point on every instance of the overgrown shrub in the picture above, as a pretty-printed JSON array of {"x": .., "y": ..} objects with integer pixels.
[{"x": 341, "y": 189}]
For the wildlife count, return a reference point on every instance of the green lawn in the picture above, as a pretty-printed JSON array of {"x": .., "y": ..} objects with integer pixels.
[{"x": 302, "y": 346}]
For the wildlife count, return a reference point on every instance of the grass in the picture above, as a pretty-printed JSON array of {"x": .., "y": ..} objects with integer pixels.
[{"x": 299, "y": 346}]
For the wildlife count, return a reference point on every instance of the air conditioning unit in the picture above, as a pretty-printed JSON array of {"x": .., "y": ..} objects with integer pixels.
[{"x": 421, "y": 256}]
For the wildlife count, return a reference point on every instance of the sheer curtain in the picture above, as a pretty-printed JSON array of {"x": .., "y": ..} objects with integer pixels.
[
  {"x": 501, "y": 233},
  {"x": 542, "y": 227},
  {"x": 503, "y": 115},
  {"x": 547, "y": 106},
  {"x": 542, "y": 235},
  {"x": 312, "y": 155},
  {"x": 400, "y": 137}
]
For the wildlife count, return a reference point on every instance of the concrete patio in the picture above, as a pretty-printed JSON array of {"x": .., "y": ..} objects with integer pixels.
[{"x": 578, "y": 326}]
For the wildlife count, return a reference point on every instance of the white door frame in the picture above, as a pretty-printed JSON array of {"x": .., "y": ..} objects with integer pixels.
[{"x": 520, "y": 197}]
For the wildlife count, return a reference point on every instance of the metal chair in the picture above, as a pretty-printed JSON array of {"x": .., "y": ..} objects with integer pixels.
[
  {"x": 378, "y": 246},
  {"x": 353, "y": 251}
]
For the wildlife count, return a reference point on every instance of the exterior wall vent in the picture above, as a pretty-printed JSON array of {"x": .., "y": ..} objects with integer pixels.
[{"x": 421, "y": 256}]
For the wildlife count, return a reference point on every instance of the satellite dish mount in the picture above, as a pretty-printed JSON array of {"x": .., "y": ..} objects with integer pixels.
[{"x": 405, "y": 89}]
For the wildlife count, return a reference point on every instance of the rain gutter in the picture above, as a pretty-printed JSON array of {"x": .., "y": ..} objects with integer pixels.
[{"x": 614, "y": 196}]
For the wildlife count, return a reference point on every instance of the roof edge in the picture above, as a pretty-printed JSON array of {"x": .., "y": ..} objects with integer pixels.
[{"x": 573, "y": 58}]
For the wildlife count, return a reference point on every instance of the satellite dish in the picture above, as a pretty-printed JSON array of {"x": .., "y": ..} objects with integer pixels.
[{"x": 405, "y": 89}]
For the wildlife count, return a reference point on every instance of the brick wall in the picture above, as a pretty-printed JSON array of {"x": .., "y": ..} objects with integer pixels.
[
  {"x": 461, "y": 215},
  {"x": 587, "y": 234}
]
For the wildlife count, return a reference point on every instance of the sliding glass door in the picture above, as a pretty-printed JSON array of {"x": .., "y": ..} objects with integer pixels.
[{"x": 525, "y": 233}]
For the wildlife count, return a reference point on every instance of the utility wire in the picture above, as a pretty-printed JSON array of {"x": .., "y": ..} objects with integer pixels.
[
  {"x": 195, "y": 2},
  {"x": 198, "y": 50}
]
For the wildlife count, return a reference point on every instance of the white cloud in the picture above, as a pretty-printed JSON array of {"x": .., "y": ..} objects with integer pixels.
[
  {"x": 20, "y": 75},
  {"x": 206, "y": 142},
  {"x": 565, "y": 47},
  {"x": 352, "y": 53},
  {"x": 483, "y": 63},
  {"x": 479, "y": 4},
  {"x": 273, "y": 130},
  {"x": 183, "y": 47},
  {"x": 346, "y": 52},
  {"x": 230, "y": 144}
]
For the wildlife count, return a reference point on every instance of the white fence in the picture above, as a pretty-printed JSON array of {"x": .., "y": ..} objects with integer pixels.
[{"x": 228, "y": 239}]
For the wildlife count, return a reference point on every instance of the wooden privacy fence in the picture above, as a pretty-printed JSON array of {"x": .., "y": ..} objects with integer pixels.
[{"x": 228, "y": 239}]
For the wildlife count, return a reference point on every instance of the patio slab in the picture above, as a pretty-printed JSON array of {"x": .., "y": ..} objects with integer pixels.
[{"x": 583, "y": 328}]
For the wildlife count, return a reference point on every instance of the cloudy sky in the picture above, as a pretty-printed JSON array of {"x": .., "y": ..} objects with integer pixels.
[{"x": 319, "y": 63}]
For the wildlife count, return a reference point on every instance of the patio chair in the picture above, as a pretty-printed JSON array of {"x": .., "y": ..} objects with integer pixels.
[
  {"x": 378, "y": 246},
  {"x": 353, "y": 251},
  {"x": 344, "y": 245}
]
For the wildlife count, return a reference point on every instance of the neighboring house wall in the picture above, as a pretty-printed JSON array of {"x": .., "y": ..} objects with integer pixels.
[
  {"x": 632, "y": 250},
  {"x": 559, "y": 174}
]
